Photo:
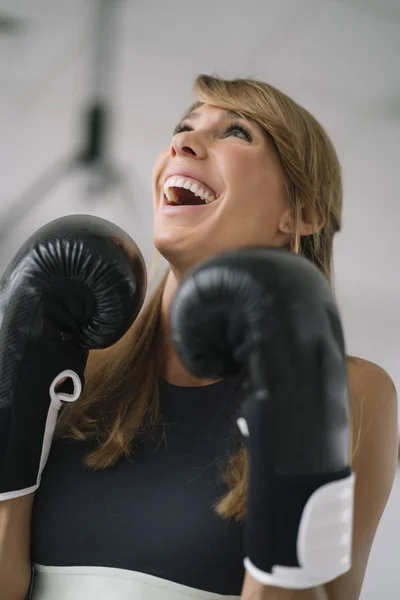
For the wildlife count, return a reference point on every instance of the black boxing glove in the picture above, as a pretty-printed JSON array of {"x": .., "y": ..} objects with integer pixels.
[
  {"x": 272, "y": 316},
  {"x": 77, "y": 284}
]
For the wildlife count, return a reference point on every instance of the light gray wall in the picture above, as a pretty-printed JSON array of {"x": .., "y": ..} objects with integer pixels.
[{"x": 337, "y": 57}]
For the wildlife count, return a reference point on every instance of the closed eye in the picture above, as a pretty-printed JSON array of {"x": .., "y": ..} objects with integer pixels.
[
  {"x": 237, "y": 129},
  {"x": 241, "y": 129},
  {"x": 181, "y": 128}
]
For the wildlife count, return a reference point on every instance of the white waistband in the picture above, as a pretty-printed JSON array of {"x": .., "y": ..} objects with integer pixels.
[{"x": 102, "y": 583}]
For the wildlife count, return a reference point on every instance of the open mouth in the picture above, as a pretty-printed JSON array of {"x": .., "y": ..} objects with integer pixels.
[{"x": 185, "y": 191}]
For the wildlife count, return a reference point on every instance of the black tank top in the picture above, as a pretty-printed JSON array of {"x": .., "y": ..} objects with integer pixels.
[{"x": 153, "y": 512}]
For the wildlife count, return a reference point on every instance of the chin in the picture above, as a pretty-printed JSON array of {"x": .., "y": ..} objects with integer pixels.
[{"x": 179, "y": 256}]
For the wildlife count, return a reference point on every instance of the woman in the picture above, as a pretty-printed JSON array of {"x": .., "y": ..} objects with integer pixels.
[{"x": 149, "y": 499}]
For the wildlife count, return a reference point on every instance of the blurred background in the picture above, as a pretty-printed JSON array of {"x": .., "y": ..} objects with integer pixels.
[{"x": 138, "y": 59}]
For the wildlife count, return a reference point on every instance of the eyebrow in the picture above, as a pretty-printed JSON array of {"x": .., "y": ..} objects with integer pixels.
[{"x": 228, "y": 113}]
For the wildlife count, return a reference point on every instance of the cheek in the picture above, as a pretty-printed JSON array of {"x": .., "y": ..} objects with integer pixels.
[
  {"x": 255, "y": 198},
  {"x": 244, "y": 169},
  {"x": 256, "y": 183}
]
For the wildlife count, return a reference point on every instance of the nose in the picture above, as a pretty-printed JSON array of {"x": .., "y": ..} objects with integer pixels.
[{"x": 187, "y": 144}]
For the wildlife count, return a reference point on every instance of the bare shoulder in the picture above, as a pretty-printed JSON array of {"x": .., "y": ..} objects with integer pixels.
[
  {"x": 374, "y": 424},
  {"x": 374, "y": 406},
  {"x": 360, "y": 367},
  {"x": 375, "y": 429},
  {"x": 371, "y": 382},
  {"x": 371, "y": 385}
]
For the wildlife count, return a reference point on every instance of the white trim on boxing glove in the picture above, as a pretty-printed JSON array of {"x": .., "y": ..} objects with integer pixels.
[
  {"x": 57, "y": 398},
  {"x": 324, "y": 542}
]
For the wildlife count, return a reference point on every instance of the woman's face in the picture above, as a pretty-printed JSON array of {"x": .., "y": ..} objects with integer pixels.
[{"x": 232, "y": 159}]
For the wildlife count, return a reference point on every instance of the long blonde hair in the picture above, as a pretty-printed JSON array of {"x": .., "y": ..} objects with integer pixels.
[{"x": 120, "y": 400}]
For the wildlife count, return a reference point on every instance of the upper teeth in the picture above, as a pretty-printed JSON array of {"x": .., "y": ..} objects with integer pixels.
[{"x": 194, "y": 186}]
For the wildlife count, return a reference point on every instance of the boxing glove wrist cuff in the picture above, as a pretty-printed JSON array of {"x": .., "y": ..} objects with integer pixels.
[
  {"x": 56, "y": 400},
  {"x": 323, "y": 542}
]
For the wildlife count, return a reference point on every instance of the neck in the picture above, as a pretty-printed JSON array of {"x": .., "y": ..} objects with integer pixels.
[{"x": 173, "y": 371}]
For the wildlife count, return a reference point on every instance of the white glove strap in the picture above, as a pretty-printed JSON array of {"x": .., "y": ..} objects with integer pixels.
[
  {"x": 324, "y": 542},
  {"x": 56, "y": 402}
]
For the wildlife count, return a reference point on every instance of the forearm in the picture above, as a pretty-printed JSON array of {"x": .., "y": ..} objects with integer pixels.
[
  {"x": 254, "y": 590},
  {"x": 15, "y": 569}
]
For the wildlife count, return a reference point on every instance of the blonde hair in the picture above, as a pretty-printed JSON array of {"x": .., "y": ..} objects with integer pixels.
[{"x": 120, "y": 400}]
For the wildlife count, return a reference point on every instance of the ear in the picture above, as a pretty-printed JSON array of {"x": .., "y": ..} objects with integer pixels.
[{"x": 305, "y": 226}]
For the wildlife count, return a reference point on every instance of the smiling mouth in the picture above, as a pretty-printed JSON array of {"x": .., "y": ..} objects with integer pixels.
[{"x": 185, "y": 191}]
